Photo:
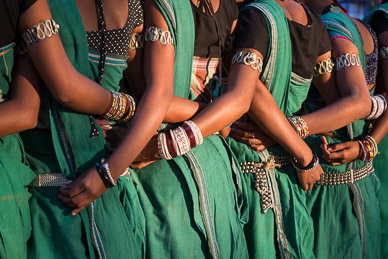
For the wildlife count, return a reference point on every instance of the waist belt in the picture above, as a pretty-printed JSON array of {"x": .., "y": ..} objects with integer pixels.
[
  {"x": 261, "y": 181},
  {"x": 49, "y": 180},
  {"x": 57, "y": 180},
  {"x": 350, "y": 176}
]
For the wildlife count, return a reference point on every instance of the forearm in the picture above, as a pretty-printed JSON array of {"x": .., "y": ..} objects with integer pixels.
[
  {"x": 182, "y": 109},
  {"x": 21, "y": 112},
  {"x": 267, "y": 115}
]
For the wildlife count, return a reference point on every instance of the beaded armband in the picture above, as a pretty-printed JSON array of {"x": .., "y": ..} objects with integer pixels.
[
  {"x": 323, "y": 67},
  {"x": 347, "y": 60},
  {"x": 299, "y": 125},
  {"x": 153, "y": 34},
  {"x": 38, "y": 32},
  {"x": 137, "y": 41},
  {"x": 249, "y": 59},
  {"x": 179, "y": 141},
  {"x": 368, "y": 148},
  {"x": 379, "y": 106},
  {"x": 383, "y": 53}
]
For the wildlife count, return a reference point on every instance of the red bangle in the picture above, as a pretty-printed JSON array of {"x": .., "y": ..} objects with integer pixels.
[
  {"x": 190, "y": 134},
  {"x": 170, "y": 146}
]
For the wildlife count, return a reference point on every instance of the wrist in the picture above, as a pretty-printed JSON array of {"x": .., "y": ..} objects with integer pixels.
[{"x": 309, "y": 167}]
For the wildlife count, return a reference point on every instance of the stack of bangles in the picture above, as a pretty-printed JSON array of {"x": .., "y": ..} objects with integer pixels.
[
  {"x": 179, "y": 141},
  {"x": 311, "y": 166},
  {"x": 299, "y": 125},
  {"x": 104, "y": 172},
  {"x": 379, "y": 106},
  {"x": 368, "y": 149},
  {"x": 122, "y": 107}
]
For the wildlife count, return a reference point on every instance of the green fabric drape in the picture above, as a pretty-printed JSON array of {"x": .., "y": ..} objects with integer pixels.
[
  {"x": 194, "y": 206},
  {"x": 346, "y": 217},
  {"x": 381, "y": 161},
  {"x": 111, "y": 227},
  {"x": 286, "y": 231},
  {"x": 15, "y": 174}
]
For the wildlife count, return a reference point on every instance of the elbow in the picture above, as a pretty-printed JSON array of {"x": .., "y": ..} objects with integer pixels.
[
  {"x": 29, "y": 117},
  {"x": 363, "y": 104}
]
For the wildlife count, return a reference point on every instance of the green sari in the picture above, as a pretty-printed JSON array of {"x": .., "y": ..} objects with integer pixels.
[
  {"x": 15, "y": 174},
  {"x": 346, "y": 216},
  {"x": 112, "y": 225},
  {"x": 380, "y": 162},
  {"x": 194, "y": 206},
  {"x": 286, "y": 229}
]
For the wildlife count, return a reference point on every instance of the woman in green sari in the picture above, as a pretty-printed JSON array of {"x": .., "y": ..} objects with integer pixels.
[{"x": 61, "y": 147}]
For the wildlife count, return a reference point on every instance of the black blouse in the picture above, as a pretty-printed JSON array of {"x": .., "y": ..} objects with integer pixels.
[
  {"x": 307, "y": 41},
  {"x": 206, "y": 36},
  {"x": 10, "y": 10},
  {"x": 379, "y": 23}
]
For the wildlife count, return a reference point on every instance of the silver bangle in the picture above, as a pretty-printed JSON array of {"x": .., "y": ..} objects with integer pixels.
[
  {"x": 347, "y": 60},
  {"x": 323, "y": 67},
  {"x": 106, "y": 172},
  {"x": 379, "y": 106},
  {"x": 383, "y": 53},
  {"x": 40, "y": 31},
  {"x": 137, "y": 41},
  {"x": 153, "y": 34},
  {"x": 249, "y": 59}
]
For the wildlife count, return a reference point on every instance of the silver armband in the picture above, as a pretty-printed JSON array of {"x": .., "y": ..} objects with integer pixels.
[
  {"x": 40, "y": 31},
  {"x": 379, "y": 106},
  {"x": 153, "y": 34},
  {"x": 137, "y": 41},
  {"x": 323, "y": 67},
  {"x": 383, "y": 53},
  {"x": 347, "y": 60},
  {"x": 249, "y": 59}
]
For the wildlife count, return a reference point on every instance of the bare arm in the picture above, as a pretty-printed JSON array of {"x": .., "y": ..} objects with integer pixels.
[
  {"x": 65, "y": 84},
  {"x": 21, "y": 112},
  {"x": 355, "y": 103}
]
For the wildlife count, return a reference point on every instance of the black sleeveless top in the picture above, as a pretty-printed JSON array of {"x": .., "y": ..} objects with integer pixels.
[
  {"x": 206, "y": 36},
  {"x": 307, "y": 41},
  {"x": 10, "y": 11},
  {"x": 117, "y": 40}
]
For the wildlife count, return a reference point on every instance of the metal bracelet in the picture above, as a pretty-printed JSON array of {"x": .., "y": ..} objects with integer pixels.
[
  {"x": 383, "y": 53},
  {"x": 347, "y": 60},
  {"x": 104, "y": 171},
  {"x": 137, "y": 41},
  {"x": 153, "y": 34},
  {"x": 323, "y": 67},
  {"x": 379, "y": 106},
  {"x": 40, "y": 31},
  {"x": 249, "y": 59}
]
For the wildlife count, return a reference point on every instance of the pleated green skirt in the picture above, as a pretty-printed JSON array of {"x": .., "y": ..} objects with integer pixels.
[
  {"x": 15, "y": 224},
  {"x": 170, "y": 197}
]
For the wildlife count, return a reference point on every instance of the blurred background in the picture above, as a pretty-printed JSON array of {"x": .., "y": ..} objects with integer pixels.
[{"x": 358, "y": 8}]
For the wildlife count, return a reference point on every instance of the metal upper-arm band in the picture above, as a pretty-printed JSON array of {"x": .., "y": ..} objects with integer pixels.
[
  {"x": 383, "y": 53},
  {"x": 137, "y": 41},
  {"x": 347, "y": 60},
  {"x": 38, "y": 32},
  {"x": 249, "y": 59},
  {"x": 323, "y": 67},
  {"x": 153, "y": 34},
  {"x": 379, "y": 106}
]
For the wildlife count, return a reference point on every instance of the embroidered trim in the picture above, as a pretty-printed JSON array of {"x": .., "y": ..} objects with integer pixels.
[
  {"x": 323, "y": 67},
  {"x": 153, "y": 34},
  {"x": 383, "y": 53},
  {"x": 347, "y": 60},
  {"x": 249, "y": 59}
]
